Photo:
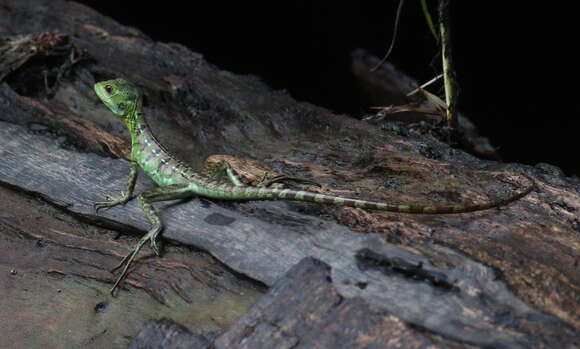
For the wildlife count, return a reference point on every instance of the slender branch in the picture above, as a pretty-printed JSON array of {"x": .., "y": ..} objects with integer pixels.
[
  {"x": 429, "y": 19},
  {"x": 401, "y": 2},
  {"x": 425, "y": 85}
]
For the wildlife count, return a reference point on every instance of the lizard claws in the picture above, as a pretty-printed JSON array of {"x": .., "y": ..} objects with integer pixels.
[
  {"x": 99, "y": 205},
  {"x": 102, "y": 204},
  {"x": 127, "y": 261},
  {"x": 111, "y": 202},
  {"x": 152, "y": 237},
  {"x": 155, "y": 247}
]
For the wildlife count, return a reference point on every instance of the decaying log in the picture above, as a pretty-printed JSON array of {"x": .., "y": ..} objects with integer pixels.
[
  {"x": 304, "y": 310},
  {"x": 296, "y": 311},
  {"x": 166, "y": 334},
  {"x": 55, "y": 280},
  {"x": 499, "y": 278}
]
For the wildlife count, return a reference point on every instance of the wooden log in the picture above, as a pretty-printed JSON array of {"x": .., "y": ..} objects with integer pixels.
[
  {"x": 402, "y": 282},
  {"x": 304, "y": 310},
  {"x": 55, "y": 279},
  {"x": 167, "y": 334},
  {"x": 499, "y": 278}
]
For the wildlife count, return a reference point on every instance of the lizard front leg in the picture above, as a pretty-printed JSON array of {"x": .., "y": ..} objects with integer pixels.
[
  {"x": 170, "y": 192},
  {"x": 125, "y": 194}
]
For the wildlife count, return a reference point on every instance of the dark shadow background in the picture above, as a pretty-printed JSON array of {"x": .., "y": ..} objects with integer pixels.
[{"x": 516, "y": 63}]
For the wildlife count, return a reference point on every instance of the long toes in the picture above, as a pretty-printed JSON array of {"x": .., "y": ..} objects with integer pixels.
[
  {"x": 155, "y": 247},
  {"x": 116, "y": 267},
  {"x": 307, "y": 181},
  {"x": 281, "y": 178},
  {"x": 102, "y": 204},
  {"x": 123, "y": 261},
  {"x": 153, "y": 241},
  {"x": 97, "y": 206}
]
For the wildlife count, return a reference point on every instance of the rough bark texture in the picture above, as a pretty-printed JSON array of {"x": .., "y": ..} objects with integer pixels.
[
  {"x": 304, "y": 310},
  {"x": 166, "y": 334},
  {"x": 55, "y": 280},
  {"x": 500, "y": 278}
]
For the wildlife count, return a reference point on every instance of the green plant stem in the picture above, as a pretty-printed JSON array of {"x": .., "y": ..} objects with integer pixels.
[
  {"x": 448, "y": 73},
  {"x": 429, "y": 19}
]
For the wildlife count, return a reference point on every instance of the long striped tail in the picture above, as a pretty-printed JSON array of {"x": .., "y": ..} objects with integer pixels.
[{"x": 228, "y": 192}]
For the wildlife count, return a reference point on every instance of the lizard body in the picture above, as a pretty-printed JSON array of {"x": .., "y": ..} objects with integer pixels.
[{"x": 177, "y": 180}]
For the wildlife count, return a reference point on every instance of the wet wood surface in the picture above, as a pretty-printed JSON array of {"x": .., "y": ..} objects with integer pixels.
[{"x": 504, "y": 277}]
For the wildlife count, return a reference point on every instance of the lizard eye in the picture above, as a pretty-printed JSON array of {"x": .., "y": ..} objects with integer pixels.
[
  {"x": 121, "y": 106},
  {"x": 109, "y": 89}
]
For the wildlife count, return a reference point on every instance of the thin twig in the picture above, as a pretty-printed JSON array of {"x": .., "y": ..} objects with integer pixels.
[
  {"x": 429, "y": 20},
  {"x": 401, "y": 2},
  {"x": 424, "y": 85}
]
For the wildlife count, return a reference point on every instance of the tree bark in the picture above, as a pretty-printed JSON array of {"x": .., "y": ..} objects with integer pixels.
[{"x": 503, "y": 277}]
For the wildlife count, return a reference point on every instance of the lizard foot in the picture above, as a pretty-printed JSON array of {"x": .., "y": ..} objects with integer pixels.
[
  {"x": 129, "y": 258},
  {"x": 153, "y": 239},
  {"x": 111, "y": 202}
]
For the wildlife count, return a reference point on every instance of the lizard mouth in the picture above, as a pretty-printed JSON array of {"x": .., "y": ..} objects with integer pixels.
[{"x": 100, "y": 91}]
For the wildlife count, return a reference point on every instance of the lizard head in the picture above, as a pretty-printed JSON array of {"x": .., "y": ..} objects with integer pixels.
[{"x": 120, "y": 95}]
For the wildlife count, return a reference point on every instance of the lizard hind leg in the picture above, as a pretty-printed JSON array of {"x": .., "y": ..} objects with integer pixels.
[
  {"x": 217, "y": 170},
  {"x": 235, "y": 178},
  {"x": 266, "y": 182},
  {"x": 170, "y": 192}
]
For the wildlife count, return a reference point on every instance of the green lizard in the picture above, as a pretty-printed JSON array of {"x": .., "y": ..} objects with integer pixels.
[{"x": 176, "y": 180}]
